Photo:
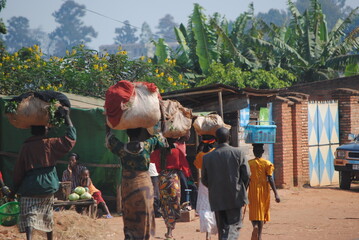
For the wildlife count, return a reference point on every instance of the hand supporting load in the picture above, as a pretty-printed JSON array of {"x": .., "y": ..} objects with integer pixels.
[{"x": 43, "y": 108}]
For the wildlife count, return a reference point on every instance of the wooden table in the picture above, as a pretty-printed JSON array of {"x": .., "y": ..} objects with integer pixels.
[{"x": 89, "y": 203}]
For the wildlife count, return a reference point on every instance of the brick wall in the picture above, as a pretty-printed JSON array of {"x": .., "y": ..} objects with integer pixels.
[
  {"x": 283, "y": 149},
  {"x": 303, "y": 177},
  {"x": 348, "y": 101},
  {"x": 300, "y": 143},
  {"x": 291, "y": 148}
]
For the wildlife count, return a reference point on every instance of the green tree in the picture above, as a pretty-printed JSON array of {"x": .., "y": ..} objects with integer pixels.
[
  {"x": 333, "y": 9},
  {"x": 165, "y": 28},
  {"x": 275, "y": 16},
  {"x": 126, "y": 34},
  {"x": 2, "y": 25},
  {"x": 146, "y": 35},
  {"x": 72, "y": 30},
  {"x": 325, "y": 53},
  {"x": 304, "y": 47},
  {"x": 82, "y": 71},
  {"x": 19, "y": 34},
  {"x": 259, "y": 78}
]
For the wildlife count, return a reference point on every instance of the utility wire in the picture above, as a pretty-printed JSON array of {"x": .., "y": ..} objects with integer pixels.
[{"x": 124, "y": 23}]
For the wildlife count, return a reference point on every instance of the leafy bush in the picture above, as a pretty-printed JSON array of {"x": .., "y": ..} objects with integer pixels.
[
  {"x": 260, "y": 79},
  {"x": 82, "y": 71}
]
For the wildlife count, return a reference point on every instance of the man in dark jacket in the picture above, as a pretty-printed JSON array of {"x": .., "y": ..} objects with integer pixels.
[{"x": 226, "y": 173}]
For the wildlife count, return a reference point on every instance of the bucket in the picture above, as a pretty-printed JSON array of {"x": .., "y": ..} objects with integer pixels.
[{"x": 9, "y": 213}]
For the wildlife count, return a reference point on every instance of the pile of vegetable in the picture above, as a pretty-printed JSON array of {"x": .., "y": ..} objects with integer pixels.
[{"x": 80, "y": 193}]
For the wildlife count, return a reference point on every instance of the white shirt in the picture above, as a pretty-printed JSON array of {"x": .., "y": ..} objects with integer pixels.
[{"x": 152, "y": 170}]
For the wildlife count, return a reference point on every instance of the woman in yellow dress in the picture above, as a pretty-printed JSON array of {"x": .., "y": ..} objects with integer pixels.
[{"x": 259, "y": 191}]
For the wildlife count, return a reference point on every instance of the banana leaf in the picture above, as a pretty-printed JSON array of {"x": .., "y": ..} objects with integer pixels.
[
  {"x": 205, "y": 39},
  {"x": 230, "y": 46},
  {"x": 162, "y": 50},
  {"x": 183, "y": 49}
]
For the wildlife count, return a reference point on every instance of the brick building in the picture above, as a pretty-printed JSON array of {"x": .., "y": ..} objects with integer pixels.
[{"x": 312, "y": 119}]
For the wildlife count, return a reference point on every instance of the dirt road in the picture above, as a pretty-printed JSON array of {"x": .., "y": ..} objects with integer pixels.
[{"x": 307, "y": 213}]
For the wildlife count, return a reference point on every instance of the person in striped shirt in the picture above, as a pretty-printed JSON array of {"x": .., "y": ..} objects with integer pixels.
[{"x": 259, "y": 191}]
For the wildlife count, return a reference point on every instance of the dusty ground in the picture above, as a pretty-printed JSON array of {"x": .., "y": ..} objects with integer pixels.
[{"x": 307, "y": 213}]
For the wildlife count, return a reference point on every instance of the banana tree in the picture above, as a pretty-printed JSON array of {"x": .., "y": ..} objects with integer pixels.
[{"x": 307, "y": 48}]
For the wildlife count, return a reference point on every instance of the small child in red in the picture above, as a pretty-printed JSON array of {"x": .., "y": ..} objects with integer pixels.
[{"x": 96, "y": 194}]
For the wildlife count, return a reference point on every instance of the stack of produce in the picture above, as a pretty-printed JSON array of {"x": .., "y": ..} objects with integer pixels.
[
  {"x": 208, "y": 125},
  {"x": 132, "y": 105},
  {"x": 36, "y": 109},
  {"x": 80, "y": 193}
]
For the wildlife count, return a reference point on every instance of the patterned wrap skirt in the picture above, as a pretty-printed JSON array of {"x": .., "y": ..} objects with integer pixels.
[
  {"x": 137, "y": 200},
  {"x": 170, "y": 196},
  {"x": 36, "y": 212}
]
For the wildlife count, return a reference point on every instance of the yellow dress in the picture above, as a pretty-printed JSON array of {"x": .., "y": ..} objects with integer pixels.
[{"x": 259, "y": 189}]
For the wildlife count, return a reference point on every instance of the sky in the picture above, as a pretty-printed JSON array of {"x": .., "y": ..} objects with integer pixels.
[{"x": 39, "y": 12}]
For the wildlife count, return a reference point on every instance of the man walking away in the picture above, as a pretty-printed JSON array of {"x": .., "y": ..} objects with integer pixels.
[{"x": 226, "y": 173}]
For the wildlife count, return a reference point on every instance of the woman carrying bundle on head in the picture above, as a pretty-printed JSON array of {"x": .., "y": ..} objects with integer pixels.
[
  {"x": 206, "y": 216},
  {"x": 136, "y": 187},
  {"x": 169, "y": 162}
]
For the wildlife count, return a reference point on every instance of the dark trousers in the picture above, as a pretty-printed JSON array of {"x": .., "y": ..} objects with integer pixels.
[
  {"x": 156, "y": 196},
  {"x": 229, "y": 223}
]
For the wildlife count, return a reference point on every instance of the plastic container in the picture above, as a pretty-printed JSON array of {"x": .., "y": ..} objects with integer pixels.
[
  {"x": 260, "y": 133},
  {"x": 9, "y": 213}
]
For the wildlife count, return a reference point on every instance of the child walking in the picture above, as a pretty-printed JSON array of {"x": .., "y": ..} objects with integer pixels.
[
  {"x": 259, "y": 191},
  {"x": 96, "y": 194}
]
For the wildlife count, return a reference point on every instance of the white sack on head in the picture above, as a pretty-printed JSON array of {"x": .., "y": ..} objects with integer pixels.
[
  {"x": 178, "y": 119},
  {"x": 141, "y": 111},
  {"x": 208, "y": 125}
]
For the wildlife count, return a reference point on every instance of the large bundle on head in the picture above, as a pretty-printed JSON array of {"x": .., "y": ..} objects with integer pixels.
[
  {"x": 177, "y": 119},
  {"x": 36, "y": 109},
  {"x": 208, "y": 125},
  {"x": 132, "y": 105}
]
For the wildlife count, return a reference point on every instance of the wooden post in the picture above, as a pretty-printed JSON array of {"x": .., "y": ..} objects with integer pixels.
[
  {"x": 220, "y": 100},
  {"x": 118, "y": 199}
]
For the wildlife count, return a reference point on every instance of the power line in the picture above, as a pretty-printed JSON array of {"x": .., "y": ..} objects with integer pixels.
[
  {"x": 124, "y": 23},
  {"x": 119, "y": 21}
]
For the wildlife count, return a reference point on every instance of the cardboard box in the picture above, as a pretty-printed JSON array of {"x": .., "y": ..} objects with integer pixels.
[{"x": 187, "y": 216}]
